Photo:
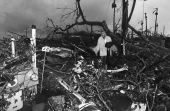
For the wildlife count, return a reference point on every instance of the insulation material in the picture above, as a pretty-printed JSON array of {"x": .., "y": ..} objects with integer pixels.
[
  {"x": 15, "y": 101},
  {"x": 138, "y": 107}
]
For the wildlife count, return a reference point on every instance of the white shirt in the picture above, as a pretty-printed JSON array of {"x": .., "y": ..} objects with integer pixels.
[{"x": 101, "y": 45}]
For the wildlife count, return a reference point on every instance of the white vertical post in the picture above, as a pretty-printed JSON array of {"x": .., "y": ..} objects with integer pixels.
[
  {"x": 13, "y": 46},
  {"x": 34, "y": 65},
  {"x": 33, "y": 43}
]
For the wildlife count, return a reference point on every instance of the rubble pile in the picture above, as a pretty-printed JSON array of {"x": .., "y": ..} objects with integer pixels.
[{"x": 76, "y": 81}]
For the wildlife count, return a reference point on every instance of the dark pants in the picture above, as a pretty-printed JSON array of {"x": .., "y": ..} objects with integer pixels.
[{"x": 104, "y": 61}]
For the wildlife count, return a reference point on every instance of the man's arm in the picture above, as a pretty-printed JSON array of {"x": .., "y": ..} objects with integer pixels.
[
  {"x": 108, "y": 42},
  {"x": 108, "y": 39}
]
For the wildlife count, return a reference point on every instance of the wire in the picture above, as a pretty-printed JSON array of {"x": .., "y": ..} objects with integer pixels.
[{"x": 42, "y": 75}]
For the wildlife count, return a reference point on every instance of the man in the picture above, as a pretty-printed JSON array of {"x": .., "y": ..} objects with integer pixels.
[{"x": 103, "y": 45}]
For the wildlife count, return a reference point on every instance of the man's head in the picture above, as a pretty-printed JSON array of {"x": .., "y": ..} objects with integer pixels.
[{"x": 103, "y": 34}]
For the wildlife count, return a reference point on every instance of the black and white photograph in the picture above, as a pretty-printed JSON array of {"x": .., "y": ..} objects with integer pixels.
[{"x": 84, "y": 55}]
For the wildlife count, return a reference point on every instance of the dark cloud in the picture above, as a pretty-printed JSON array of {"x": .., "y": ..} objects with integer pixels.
[
  {"x": 16, "y": 15},
  {"x": 20, "y": 14},
  {"x": 17, "y": 22}
]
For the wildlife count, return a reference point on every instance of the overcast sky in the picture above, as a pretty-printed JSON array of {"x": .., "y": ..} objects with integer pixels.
[{"x": 17, "y": 15}]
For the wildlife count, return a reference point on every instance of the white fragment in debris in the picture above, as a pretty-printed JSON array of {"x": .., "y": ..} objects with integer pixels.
[
  {"x": 12, "y": 85},
  {"x": 131, "y": 87},
  {"x": 138, "y": 106},
  {"x": 122, "y": 91},
  {"x": 34, "y": 77},
  {"x": 77, "y": 70},
  {"x": 118, "y": 86}
]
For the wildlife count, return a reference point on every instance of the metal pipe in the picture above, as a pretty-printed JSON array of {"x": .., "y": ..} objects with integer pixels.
[
  {"x": 156, "y": 24},
  {"x": 124, "y": 23},
  {"x": 114, "y": 7},
  {"x": 13, "y": 46},
  {"x": 146, "y": 24},
  {"x": 33, "y": 43},
  {"x": 143, "y": 16}
]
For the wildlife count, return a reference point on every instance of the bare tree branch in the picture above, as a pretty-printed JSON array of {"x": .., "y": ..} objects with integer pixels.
[{"x": 133, "y": 7}]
